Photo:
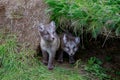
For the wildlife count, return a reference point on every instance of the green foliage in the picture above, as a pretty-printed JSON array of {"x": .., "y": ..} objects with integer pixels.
[
  {"x": 117, "y": 72},
  {"x": 92, "y": 15},
  {"x": 94, "y": 66},
  {"x": 108, "y": 58},
  {"x": 17, "y": 63}
]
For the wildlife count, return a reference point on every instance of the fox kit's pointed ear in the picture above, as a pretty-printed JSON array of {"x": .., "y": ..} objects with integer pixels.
[
  {"x": 65, "y": 38},
  {"x": 52, "y": 23},
  {"x": 41, "y": 27},
  {"x": 77, "y": 40}
]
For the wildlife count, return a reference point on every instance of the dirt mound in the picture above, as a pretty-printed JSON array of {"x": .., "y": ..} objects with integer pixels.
[{"x": 21, "y": 17}]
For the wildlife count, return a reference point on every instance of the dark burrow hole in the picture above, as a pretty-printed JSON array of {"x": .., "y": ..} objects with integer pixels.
[{"x": 109, "y": 54}]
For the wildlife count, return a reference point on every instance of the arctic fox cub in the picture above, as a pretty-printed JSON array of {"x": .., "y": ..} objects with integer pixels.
[
  {"x": 49, "y": 43},
  {"x": 69, "y": 45}
]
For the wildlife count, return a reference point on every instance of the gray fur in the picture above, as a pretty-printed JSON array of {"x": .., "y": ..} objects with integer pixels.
[
  {"x": 69, "y": 44},
  {"x": 49, "y": 43}
]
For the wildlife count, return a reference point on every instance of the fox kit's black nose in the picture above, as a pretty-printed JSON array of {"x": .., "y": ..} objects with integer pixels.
[{"x": 53, "y": 38}]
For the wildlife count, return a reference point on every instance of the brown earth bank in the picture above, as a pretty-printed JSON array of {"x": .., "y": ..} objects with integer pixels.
[{"x": 22, "y": 17}]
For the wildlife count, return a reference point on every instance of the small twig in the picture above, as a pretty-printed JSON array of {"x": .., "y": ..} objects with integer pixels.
[
  {"x": 106, "y": 38},
  {"x": 83, "y": 47}
]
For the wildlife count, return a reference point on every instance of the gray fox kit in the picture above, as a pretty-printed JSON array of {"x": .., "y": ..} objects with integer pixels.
[
  {"x": 69, "y": 44},
  {"x": 49, "y": 43}
]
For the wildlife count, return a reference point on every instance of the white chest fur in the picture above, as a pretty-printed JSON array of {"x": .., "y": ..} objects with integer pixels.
[{"x": 50, "y": 46}]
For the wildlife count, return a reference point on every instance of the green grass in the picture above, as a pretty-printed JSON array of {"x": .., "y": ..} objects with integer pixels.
[
  {"x": 17, "y": 63},
  {"x": 94, "y": 66},
  {"x": 95, "y": 16}
]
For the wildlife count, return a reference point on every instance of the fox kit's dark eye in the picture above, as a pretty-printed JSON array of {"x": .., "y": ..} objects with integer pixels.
[
  {"x": 54, "y": 33},
  {"x": 75, "y": 48}
]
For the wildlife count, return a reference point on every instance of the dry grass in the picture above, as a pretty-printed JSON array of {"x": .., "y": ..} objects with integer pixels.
[{"x": 22, "y": 17}]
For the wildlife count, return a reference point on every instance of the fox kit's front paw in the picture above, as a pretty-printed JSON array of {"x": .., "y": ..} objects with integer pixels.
[
  {"x": 60, "y": 61},
  {"x": 71, "y": 60},
  {"x": 50, "y": 67}
]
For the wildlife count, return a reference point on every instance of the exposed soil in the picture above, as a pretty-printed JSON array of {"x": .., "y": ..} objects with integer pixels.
[{"x": 109, "y": 54}]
